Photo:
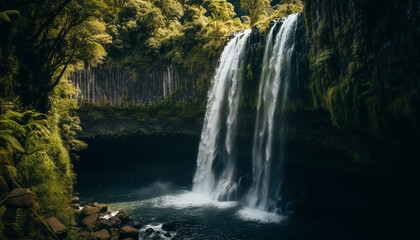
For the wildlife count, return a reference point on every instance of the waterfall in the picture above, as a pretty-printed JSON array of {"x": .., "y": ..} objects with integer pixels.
[
  {"x": 273, "y": 91},
  {"x": 215, "y": 163}
]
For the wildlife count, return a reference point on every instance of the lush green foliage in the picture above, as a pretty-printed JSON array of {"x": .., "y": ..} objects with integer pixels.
[
  {"x": 45, "y": 40},
  {"x": 149, "y": 33},
  {"x": 281, "y": 10},
  {"x": 257, "y": 9},
  {"x": 34, "y": 153}
]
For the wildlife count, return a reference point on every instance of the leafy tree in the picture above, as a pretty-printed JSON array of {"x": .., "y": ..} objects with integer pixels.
[
  {"x": 49, "y": 38},
  {"x": 222, "y": 22},
  {"x": 256, "y": 8}
]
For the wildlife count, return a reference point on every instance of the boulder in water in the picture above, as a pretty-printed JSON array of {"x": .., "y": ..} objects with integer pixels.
[
  {"x": 129, "y": 232},
  {"x": 102, "y": 207},
  {"x": 167, "y": 234},
  {"x": 168, "y": 226},
  {"x": 137, "y": 224},
  {"x": 149, "y": 231},
  {"x": 89, "y": 210},
  {"x": 113, "y": 222},
  {"x": 156, "y": 237},
  {"x": 123, "y": 216}
]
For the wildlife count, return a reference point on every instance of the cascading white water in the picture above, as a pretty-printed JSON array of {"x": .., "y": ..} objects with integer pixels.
[
  {"x": 226, "y": 88},
  {"x": 273, "y": 91}
]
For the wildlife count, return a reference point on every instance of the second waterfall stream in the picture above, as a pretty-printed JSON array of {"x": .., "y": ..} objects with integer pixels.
[
  {"x": 216, "y": 163},
  {"x": 273, "y": 93}
]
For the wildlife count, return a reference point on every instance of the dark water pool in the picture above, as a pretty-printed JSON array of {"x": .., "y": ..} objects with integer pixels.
[
  {"x": 198, "y": 217},
  {"x": 150, "y": 178}
]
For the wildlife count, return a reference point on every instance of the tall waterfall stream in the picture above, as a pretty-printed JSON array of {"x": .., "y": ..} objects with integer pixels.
[
  {"x": 273, "y": 92},
  {"x": 225, "y": 90}
]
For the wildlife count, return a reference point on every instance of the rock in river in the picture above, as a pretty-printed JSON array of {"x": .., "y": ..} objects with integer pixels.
[{"x": 129, "y": 232}]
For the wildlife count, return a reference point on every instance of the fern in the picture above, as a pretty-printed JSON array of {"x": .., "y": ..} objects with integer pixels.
[
  {"x": 20, "y": 220},
  {"x": 6, "y": 137},
  {"x": 18, "y": 130}
]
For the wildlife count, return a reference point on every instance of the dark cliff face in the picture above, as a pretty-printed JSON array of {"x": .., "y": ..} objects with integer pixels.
[
  {"x": 364, "y": 65},
  {"x": 364, "y": 70}
]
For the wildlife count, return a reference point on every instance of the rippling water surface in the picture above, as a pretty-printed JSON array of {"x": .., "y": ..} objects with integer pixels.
[{"x": 198, "y": 216}]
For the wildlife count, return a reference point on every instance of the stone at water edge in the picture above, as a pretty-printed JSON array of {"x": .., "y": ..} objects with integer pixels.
[
  {"x": 21, "y": 198},
  {"x": 167, "y": 234},
  {"x": 102, "y": 207},
  {"x": 113, "y": 222},
  {"x": 168, "y": 226},
  {"x": 90, "y": 220},
  {"x": 102, "y": 235},
  {"x": 123, "y": 216},
  {"x": 57, "y": 227},
  {"x": 156, "y": 237},
  {"x": 149, "y": 231},
  {"x": 89, "y": 210},
  {"x": 129, "y": 232},
  {"x": 137, "y": 224}
]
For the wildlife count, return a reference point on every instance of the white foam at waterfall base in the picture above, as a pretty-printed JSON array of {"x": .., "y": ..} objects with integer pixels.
[
  {"x": 257, "y": 215},
  {"x": 108, "y": 216},
  {"x": 188, "y": 199},
  {"x": 158, "y": 231}
]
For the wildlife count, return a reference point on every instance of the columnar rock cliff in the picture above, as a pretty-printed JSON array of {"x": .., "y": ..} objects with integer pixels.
[{"x": 118, "y": 86}]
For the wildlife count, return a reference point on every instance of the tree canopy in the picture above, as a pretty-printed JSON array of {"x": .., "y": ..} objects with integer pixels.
[
  {"x": 257, "y": 9},
  {"x": 44, "y": 40}
]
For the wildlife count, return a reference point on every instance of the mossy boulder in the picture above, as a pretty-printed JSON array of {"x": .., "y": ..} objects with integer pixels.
[
  {"x": 124, "y": 217},
  {"x": 21, "y": 198}
]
